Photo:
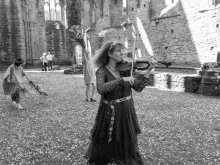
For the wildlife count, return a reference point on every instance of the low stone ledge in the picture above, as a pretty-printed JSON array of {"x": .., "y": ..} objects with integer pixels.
[
  {"x": 191, "y": 83},
  {"x": 176, "y": 82}
]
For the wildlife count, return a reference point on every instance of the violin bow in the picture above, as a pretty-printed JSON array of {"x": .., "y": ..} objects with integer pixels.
[
  {"x": 133, "y": 55},
  {"x": 134, "y": 49}
]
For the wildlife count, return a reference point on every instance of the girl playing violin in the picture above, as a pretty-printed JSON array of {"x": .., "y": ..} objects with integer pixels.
[{"x": 114, "y": 134}]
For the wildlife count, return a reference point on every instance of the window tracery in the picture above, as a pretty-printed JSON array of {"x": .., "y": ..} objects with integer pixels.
[{"x": 53, "y": 10}]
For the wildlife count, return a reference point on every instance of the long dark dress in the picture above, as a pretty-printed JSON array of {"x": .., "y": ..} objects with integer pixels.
[{"x": 123, "y": 149}]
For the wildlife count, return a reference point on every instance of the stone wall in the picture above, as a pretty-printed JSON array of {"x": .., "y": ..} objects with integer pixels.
[
  {"x": 24, "y": 32},
  {"x": 22, "y": 29},
  {"x": 9, "y": 30},
  {"x": 184, "y": 32}
]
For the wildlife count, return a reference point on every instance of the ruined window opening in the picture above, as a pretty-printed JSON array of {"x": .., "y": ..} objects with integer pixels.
[
  {"x": 58, "y": 10},
  {"x": 53, "y": 10},
  {"x": 217, "y": 26},
  {"x": 124, "y": 5},
  {"x": 47, "y": 11},
  {"x": 65, "y": 20},
  {"x": 144, "y": 5},
  {"x": 171, "y": 31}
]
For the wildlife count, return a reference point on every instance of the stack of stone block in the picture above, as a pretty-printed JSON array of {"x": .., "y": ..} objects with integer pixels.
[{"x": 211, "y": 79}]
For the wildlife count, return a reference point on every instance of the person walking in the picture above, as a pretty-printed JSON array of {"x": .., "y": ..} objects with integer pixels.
[
  {"x": 13, "y": 82},
  {"x": 114, "y": 134},
  {"x": 45, "y": 61},
  {"x": 89, "y": 77},
  {"x": 50, "y": 60}
]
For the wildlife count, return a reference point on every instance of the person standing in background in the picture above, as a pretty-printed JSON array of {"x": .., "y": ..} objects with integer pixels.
[
  {"x": 45, "y": 61},
  {"x": 89, "y": 77},
  {"x": 50, "y": 60}
]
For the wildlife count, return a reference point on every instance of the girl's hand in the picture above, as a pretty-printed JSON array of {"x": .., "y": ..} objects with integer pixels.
[{"x": 129, "y": 79}]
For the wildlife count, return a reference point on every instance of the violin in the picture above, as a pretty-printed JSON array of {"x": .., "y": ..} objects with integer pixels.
[{"x": 125, "y": 66}]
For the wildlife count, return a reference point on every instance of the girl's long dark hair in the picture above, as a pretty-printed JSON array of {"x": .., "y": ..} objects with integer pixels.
[{"x": 102, "y": 58}]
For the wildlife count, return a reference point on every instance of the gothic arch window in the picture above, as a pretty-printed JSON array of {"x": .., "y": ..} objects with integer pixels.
[
  {"x": 53, "y": 10},
  {"x": 47, "y": 10},
  {"x": 125, "y": 6},
  {"x": 65, "y": 19},
  {"x": 58, "y": 10}
]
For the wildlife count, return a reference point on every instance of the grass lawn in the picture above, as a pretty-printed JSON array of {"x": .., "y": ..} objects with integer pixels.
[{"x": 177, "y": 128}]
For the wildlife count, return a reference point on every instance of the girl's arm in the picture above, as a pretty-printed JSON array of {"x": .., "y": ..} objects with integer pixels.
[
  {"x": 25, "y": 75},
  {"x": 102, "y": 85}
]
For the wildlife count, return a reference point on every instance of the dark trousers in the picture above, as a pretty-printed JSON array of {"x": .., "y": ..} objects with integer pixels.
[
  {"x": 16, "y": 96},
  {"x": 45, "y": 66},
  {"x": 50, "y": 64}
]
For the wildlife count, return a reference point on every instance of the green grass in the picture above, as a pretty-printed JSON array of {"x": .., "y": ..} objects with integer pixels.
[{"x": 177, "y": 128}]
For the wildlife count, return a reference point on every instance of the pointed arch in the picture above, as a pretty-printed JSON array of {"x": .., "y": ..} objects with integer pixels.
[
  {"x": 47, "y": 11},
  {"x": 52, "y": 10},
  {"x": 58, "y": 12}
]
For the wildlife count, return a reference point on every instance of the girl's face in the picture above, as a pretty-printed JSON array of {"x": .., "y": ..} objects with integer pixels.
[{"x": 117, "y": 54}]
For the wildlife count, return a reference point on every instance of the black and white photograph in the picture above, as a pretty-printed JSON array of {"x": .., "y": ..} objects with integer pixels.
[{"x": 109, "y": 82}]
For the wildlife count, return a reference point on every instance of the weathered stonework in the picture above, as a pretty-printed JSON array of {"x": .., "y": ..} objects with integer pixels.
[
  {"x": 73, "y": 18},
  {"x": 184, "y": 32},
  {"x": 22, "y": 29},
  {"x": 56, "y": 33},
  {"x": 25, "y": 33}
]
